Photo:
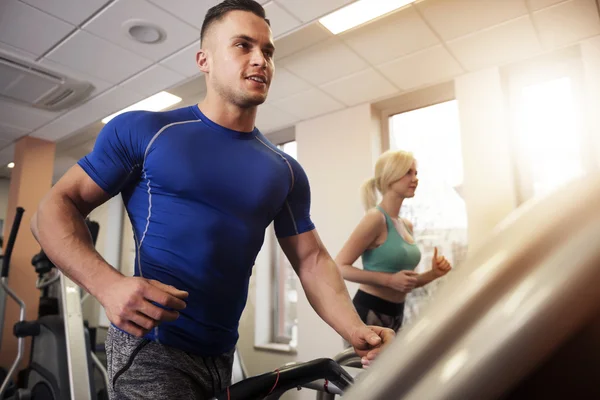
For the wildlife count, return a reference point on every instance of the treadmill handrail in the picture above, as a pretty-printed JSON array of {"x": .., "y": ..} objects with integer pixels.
[{"x": 286, "y": 378}]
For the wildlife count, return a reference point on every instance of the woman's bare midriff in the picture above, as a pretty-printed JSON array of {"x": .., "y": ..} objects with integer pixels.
[{"x": 388, "y": 294}]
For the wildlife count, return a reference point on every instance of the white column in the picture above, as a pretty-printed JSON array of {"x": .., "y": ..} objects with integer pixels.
[{"x": 489, "y": 189}]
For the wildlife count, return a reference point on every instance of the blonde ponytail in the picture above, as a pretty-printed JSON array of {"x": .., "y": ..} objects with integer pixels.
[
  {"x": 369, "y": 194},
  {"x": 390, "y": 166}
]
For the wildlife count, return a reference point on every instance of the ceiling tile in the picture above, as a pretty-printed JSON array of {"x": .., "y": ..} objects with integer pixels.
[
  {"x": 285, "y": 84},
  {"x": 184, "y": 61},
  {"x": 5, "y": 142},
  {"x": 7, "y": 154},
  {"x": 114, "y": 21},
  {"x": 99, "y": 85},
  {"x": 281, "y": 21},
  {"x": 153, "y": 80},
  {"x": 454, "y": 18},
  {"x": 190, "y": 11},
  {"x": 539, "y": 4},
  {"x": 97, "y": 57},
  {"x": 270, "y": 118},
  {"x": 567, "y": 22},
  {"x": 56, "y": 130},
  {"x": 365, "y": 86},
  {"x": 9, "y": 132},
  {"x": 193, "y": 90},
  {"x": 309, "y": 104},
  {"x": 511, "y": 41},
  {"x": 105, "y": 104},
  {"x": 301, "y": 39},
  {"x": 29, "y": 29},
  {"x": 399, "y": 34},
  {"x": 324, "y": 62},
  {"x": 72, "y": 11},
  {"x": 308, "y": 10},
  {"x": 15, "y": 52},
  {"x": 426, "y": 67},
  {"x": 24, "y": 117},
  {"x": 80, "y": 144}
]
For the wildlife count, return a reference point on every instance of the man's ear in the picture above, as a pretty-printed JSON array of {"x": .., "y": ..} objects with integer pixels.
[{"x": 202, "y": 60}]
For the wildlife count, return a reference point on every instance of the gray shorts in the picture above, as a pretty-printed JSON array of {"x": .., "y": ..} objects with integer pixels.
[{"x": 140, "y": 369}]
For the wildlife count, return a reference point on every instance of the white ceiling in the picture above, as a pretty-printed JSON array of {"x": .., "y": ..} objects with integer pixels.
[{"x": 425, "y": 43}]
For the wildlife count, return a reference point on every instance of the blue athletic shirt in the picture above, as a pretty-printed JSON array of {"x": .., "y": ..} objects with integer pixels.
[{"x": 199, "y": 197}]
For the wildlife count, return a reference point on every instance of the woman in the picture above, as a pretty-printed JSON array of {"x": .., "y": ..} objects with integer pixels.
[{"x": 387, "y": 245}]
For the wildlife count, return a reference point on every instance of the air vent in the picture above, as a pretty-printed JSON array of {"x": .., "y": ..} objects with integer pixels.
[{"x": 36, "y": 86}]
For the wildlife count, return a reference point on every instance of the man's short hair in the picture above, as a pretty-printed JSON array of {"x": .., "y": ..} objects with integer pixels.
[{"x": 217, "y": 12}]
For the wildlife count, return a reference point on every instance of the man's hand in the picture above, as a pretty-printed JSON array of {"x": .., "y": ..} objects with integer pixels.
[
  {"x": 440, "y": 265},
  {"x": 368, "y": 341},
  {"x": 403, "y": 281},
  {"x": 129, "y": 304}
]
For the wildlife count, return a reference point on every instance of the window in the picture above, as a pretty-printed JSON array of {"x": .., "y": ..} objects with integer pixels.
[
  {"x": 285, "y": 283},
  {"x": 276, "y": 323},
  {"x": 437, "y": 211},
  {"x": 549, "y": 144}
]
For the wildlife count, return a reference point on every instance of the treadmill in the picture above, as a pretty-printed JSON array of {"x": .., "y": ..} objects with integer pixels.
[{"x": 520, "y": 319}]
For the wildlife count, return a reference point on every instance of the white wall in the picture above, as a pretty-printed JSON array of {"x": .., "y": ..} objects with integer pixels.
[
  {"x": 4, "y": 186},
  {"x": 488, "y": 188},
  {"x": 336, "y": 152}
]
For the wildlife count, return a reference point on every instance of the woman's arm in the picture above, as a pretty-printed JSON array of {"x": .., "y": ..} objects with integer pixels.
[{"x": 362, "y": 238}]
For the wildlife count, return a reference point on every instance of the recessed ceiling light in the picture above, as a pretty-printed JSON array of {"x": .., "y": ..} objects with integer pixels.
[
  {"x": 11, "y": 165},
  {"x": 144, "y": 32},
  {"x": 158, "y": 102},
  {"x": 358, "y": 13}
]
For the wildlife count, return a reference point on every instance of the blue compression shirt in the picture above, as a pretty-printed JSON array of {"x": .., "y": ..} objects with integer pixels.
[{"x": 199, "y": 197}]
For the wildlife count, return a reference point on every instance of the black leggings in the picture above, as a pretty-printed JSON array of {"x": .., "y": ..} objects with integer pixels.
[{"x": 376, "y": 311}]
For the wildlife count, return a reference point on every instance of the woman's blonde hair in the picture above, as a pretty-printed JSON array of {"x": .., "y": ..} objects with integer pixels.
[{"x": 390, "y": 167}]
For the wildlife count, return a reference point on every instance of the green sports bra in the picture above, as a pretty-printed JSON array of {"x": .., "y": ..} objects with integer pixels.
[{"x": 394, "y": 255}]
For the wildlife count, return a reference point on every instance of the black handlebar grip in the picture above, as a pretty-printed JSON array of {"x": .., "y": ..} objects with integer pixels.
[
  {"x": 26, "y": 329},
  {"x": 11, "y": 241}
]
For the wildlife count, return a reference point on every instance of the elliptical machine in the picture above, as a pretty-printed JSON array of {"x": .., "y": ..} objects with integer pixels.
[{"x": 62, "y": 359}]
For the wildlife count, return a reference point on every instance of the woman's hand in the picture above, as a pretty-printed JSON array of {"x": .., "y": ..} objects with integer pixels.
[
  {"x": 439, "y": 265},
  {"x": 403, "y": 281}
]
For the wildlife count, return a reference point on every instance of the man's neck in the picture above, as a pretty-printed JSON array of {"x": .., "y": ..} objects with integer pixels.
[{"x": 229, "y": 115}]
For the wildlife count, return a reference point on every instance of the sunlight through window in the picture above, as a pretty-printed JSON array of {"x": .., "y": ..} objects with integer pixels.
[
  {"x": 549, "y": 135},
  {"x": 433, "y": 135},
  {"x": 437, "y": 211}
]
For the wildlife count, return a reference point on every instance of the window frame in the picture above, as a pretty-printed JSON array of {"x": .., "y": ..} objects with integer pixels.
[
  {"x": 269, "y": 311},
  {"x": 410, "y": 101},
  {"x": 278, "y": 293}
]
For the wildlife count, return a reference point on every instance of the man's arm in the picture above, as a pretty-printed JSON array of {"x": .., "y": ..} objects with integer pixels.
[
  {"x": 131, "y": 303},
  {"x": 59, "y": 226},
  {"x": 327, "y": 293}
]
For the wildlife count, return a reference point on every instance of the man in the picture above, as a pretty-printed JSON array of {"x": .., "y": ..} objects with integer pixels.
[{"x": 200, "y": 185}]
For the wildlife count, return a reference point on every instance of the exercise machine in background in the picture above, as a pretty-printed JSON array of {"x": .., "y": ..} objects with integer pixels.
[{"x": 62, "y": 359}]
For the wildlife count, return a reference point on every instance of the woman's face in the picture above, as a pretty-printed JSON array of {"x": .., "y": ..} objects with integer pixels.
[{"x": 407, "y": 185}]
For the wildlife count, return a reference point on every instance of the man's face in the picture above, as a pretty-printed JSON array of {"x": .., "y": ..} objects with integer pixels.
[{"x": 237, "y": 55}]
